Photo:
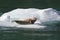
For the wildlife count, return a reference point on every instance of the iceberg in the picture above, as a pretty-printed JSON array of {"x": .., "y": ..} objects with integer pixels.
[{"x": 42, "y": 15}]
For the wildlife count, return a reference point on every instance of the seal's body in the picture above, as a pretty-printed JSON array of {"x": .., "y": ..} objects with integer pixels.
[{"x": 26, "y": 21}]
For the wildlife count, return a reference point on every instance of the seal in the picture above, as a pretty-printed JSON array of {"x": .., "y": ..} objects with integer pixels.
[{"x": 26, "y": 21}]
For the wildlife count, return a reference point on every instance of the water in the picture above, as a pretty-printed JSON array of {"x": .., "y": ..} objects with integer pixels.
[{"x": 24, "y": 34}]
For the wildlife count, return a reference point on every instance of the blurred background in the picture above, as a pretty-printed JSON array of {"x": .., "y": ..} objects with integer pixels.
[{"x": 7, "y": 5}]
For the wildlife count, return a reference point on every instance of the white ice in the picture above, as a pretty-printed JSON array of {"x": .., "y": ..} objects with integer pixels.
[{"x": 42, "y": 15}]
